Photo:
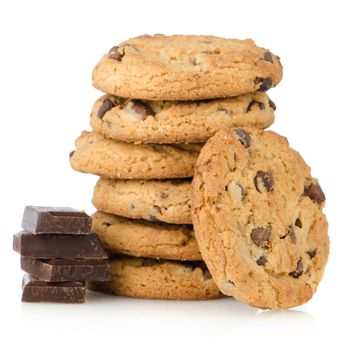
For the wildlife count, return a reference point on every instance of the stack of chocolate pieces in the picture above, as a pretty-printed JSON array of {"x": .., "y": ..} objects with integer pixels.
[
  {"x": 59, "y": 255},
  {"x": 165, "y": 97}
]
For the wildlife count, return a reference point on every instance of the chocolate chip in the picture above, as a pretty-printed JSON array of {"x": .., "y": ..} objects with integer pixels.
[
  {"x": 261, "y": 261},
  {"x": 264, "y": 181},
  {"x": 105, "y": 223},
  {"x": 261, "y": 236},
  {"x": 265, "y": 83},
  {"x": 299, "y": 270},
  {"x": 272, "y": 105},
  {"x": 311, "y": 253},
  {"x": 71, "y": 154},
  {"x": 105, "y": 107},
  {"x": 153, "y": 218},
  {"x": 140, "y": 108},
  {"x": 258, "y": 104},
  {"x": 314, "y": 191},
  {"x": 115, "y": 54},
  {"x": 298, "y": 223},
  {"x": 243, "y": 137},
  {"x": 267, "y": 57}
]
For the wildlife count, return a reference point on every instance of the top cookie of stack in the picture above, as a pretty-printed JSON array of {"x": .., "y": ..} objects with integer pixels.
[{"x": 227, "y": 78}]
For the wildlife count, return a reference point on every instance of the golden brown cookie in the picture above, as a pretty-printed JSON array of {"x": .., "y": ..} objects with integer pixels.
[
  {"x": 98, "y": 155},
  {"x": 258, "y": 219},
  {"x": 146, "y": 239},
  {"x": 153, "y": 279},
  {"x": 153, "y": 200},
  {"x": 177, "y": 121},
  {"x": 186, "y": 67}
]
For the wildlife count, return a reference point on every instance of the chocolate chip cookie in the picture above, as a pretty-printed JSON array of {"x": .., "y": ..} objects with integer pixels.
[
  {"x": 167, "y": 200},
  {"x": 154, "y": 279},
  {"x": 257, "y": 215},
  {"x": 98, "y": 155},
  {"x": 178, "y": 121},
  {"x": 146, "y": 239},
  {"x": 186, "y": 67}
]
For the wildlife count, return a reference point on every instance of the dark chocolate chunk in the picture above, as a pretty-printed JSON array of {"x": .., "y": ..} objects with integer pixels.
[
  {"x": 298, "y": 223},
  {"x": 66, "y": 270},
  {"x": 311, "y": 253},
  {"x": 141, "y": 109},
  {"x": 243, "y": 137},
  {"x": 314, "y": 191},
  {"x": 62, "y": 220},
  {"x": 258, "y": 104},
  {"x": 105, "y": 107},
  {"x": 272, "y": 104},
  {"x": 264, "y": 181},
  {"x": 299, "y": 270},
  {"x": 265, "y": 83},
  {"x": 261, "y": 261},
  {"x": 63, "y": 292},
  {"x": 115, "y": 53},
  {"x": 71, "y": 154},
  {"x": 267, "y": 57},
  {"x": 63, "y": 246},
  {"x": 261, "y": 236}
]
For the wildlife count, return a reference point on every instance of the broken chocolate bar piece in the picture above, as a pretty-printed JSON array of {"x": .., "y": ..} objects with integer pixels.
[
  {"x": 62, "y": 220},
  {"x": 63, "y": 292},
  {"x": 59, "y": 246},
  {"x": 65, "y": 270}
]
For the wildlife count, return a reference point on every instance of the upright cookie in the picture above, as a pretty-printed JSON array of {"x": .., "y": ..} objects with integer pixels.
[
  {"x": 152, "y": 279},
  {"x": 166, "y": 200},
  {"x": 258, "y": 219},
  {"x": 186, "y": 67},
  {"x": 146, "y": 239},
  {"x": 177, "y": 121},
  {"x": 98, "y": 155}
]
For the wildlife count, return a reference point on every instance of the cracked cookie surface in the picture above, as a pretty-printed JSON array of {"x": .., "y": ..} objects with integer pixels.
[
  {"x": 186, "y": 67},
  {"x": 98, "y": 155},
  {"x": 177, "y": 121},
  {"x": 154, "y": 279},
  {"x": 162, "y": 200},
  {"x": 141, "y": 238},
  {"x": 257, "y": 215}
]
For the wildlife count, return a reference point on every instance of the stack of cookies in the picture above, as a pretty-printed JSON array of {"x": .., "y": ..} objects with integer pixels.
[{"x": 166, "y": 96}]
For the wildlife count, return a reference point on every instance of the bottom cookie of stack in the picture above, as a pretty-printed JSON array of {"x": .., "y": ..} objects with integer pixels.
[{"x": 159, "y": 279}]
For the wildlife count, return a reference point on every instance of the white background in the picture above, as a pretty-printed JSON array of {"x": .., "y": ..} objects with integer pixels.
[{"x": 47, "y": 52}]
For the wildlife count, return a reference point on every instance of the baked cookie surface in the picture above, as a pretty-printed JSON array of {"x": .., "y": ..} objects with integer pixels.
[
  {"x": 163, "y": 200},
  {"x": 141, "y": 238},
  {"x": 186, "y": 67},
  {"x": 177, "y": 121},
  {"x": 257, "y": 215},
  {"x": 153, "y": 279},
  {"x": 98, "y": 155}
]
